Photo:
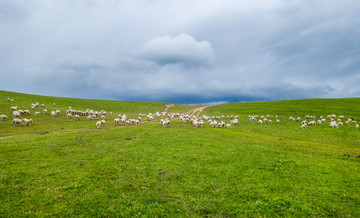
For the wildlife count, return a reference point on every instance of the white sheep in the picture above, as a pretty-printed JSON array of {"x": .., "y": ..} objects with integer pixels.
[
  {"x": 228, "y": 126},
  {"x": 45, "y": 111},
  {"x": 260, "y": 122},
  {"x": 27, "y": 122},
  {"x": 37, "y": 113},
  {"x": 89, "y": 118},
  {"x": 76, "y": 117},
  {"x": 14, "y": 108},
  {"x": 357, "y": 126},
  {"x": 54, "y": 104},
  {"x": 116, "y": 121},
  {"x": 277, "y": 121},
  {"x": 8, "y": 99},
  {"x": 3, "y": 117},
  {"x": 312, "y": 123},
  {"x": 98, "y": 124},
  {"x": 69, "y": 115},
  {"x": 333, "y": 124},
  {"x": 201, "y": 123},
  {"x": 303, "y": 126},
  {"x": 53, "y": 113},
  {"x": 16, "y": 114},
  {"x": 166, "y": 122},
  {"x": 17, "y": 121},
  {"x": 103, "y": 122},
  {"x": 42, "y": 105},
  {"x": 12, "y": 100},
  {"x": 103, "y": 117}
]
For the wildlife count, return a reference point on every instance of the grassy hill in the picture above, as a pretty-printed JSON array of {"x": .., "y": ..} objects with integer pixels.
[
  {"x": 316, "y": 107},
  {"x": 46, "y": 123},
  {"x": 149, "y": 170}
]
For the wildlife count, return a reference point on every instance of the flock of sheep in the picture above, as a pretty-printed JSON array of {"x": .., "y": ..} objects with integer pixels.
[
  {"x": 76, "y": 114},
  {"x": 213, "y": 121},
  {"x": 311, "y": 120}
]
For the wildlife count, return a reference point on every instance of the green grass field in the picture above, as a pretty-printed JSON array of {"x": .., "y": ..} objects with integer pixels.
[{"x": 148, "y": 170}]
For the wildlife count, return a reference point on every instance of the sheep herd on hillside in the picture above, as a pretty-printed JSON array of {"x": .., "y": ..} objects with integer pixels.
[{"x": 165, "y": 118}]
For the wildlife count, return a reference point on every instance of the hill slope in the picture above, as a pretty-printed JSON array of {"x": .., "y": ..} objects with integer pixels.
[{"x": 180, "y": 170}]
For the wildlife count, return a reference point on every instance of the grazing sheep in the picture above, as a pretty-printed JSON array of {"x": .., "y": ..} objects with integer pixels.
[
  {"x": 103, "y": 117},
  {"x": 42, "y": 105},
  {"x": 98, "y": 124},
  {"x": 103, "y": 122},
  {"x": 8, "y": 99},
  {"x": 234, "y": 122},
  {"x": 57, "y": 112},
  {"x": 166, "y": 122},
  {"x": 277, "y": 121},
  {"x": 260, "y": 122},
  {"x": 76, "y": 117},
  {"x": 17, "y": 121},
  {"x": 37, "y": 113},
  {"x": 89, "y": 118},
  {"x": 270, "y": 121},
  {"x": 3, "y": 117},
  {"x": 14, "y": 108},
  {"x": 116, "y": 121},
  {"x": 303, "y": 126},
  {"x": 27, "y": 122},
  {"x": 69, "y": 115},
  {"x": 201, "y": 123},
  {"x": 357, "y": 126},
  {"x": 228, "y": 126},
  {"x": 45, "y": 111},
  {"x": 26, "y": 112},
  {"x": 312, "y": 123},
  {"x": 333, "y": 124},
  {"x": 54, "y": 104},
  {"x": 53, "y": 113},
  {"x": 12, "y": 100},
  {"x": 16, "y": 114}
]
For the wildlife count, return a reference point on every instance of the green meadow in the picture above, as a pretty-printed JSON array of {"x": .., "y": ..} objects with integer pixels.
[{"x": 63, "y": 167}]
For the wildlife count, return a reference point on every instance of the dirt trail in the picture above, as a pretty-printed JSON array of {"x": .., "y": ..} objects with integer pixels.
[
  {"x": 198, "y": 110},
  {"x": 167, "y": 106}
]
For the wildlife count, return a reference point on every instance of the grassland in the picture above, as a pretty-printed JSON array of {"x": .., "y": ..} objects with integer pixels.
[{"x": 148, "y": 170}]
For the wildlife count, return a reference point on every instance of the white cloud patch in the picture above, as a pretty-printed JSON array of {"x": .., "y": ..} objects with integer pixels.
[{"x": 182, "y": 49}]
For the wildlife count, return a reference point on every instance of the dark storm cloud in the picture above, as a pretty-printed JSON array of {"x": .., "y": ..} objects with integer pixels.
[{"x": 139, "y": 50}]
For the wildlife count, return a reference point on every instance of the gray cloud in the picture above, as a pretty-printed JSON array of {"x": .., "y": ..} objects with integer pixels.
[{"x": 140, "y": 50}]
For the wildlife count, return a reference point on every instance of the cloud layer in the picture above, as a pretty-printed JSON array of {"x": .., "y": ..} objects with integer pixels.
[{"x": 181, "y": 51}]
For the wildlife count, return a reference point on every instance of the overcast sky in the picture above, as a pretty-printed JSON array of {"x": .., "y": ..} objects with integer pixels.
[{"x": 184, "y": 51}]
